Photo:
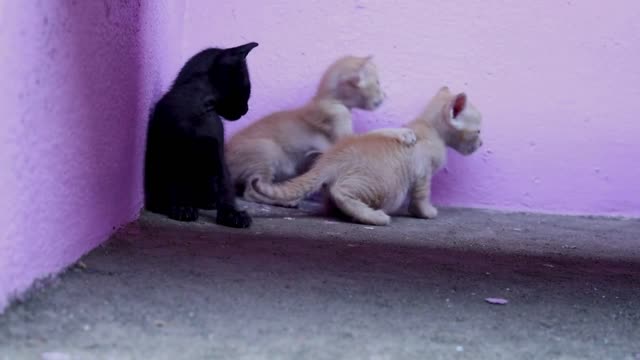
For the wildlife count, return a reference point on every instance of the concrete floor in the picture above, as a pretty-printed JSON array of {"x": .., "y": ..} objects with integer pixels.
[{"x": 298, "y": 286}]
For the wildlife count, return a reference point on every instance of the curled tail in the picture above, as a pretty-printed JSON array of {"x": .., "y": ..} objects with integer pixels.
[{"x": 293, "y": 190}]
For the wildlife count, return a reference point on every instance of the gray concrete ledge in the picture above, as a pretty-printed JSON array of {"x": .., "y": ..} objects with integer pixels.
[{"x": 299, "y": 286}]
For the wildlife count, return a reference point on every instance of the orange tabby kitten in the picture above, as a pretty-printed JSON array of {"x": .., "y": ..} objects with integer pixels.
[{"x": 369, "y": 176}]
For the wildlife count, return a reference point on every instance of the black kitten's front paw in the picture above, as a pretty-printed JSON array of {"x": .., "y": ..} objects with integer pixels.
[
  {"x": 182, "y": 213},
  {"x": 233, "y": 218}
]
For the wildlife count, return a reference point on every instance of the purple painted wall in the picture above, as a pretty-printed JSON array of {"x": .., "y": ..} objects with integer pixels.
[
  {"x": 77, "y": 78},
  {"x": 557, "y": 82}
]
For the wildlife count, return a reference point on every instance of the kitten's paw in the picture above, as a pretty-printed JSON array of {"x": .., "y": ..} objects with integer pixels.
[
  {"x": 290, "y": 204},
  {"x": 407, "y": 137},
  {"x": 182, "y": 213},
  {"x": 425, "y": 211},
  {"x": 377, "y": 217},
  {"x": 233, "y": 218}
]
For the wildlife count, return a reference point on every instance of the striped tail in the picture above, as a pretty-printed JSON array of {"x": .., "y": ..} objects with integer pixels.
[{"x": 292, "y": 190}]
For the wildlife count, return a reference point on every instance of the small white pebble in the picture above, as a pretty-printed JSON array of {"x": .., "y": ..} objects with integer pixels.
[
  {"x": 288, "y": 218},
  {"x": 497, "y": 301},
  {"x": 369, "y": 227},
  {"x": 86, "y": 327},
  {"x": 459, "y": 348}
]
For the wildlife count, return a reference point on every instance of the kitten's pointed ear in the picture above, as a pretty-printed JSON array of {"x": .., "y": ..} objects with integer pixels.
[
  {"x": 238, "y": 53},
  {"x": 243, "y": 50},
  {"x": 458, "y": 104}
]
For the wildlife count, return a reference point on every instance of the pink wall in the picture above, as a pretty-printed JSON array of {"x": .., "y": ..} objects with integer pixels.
[
  {"x": 557, "y": 82},
  {"x": 77, "y": 78}
]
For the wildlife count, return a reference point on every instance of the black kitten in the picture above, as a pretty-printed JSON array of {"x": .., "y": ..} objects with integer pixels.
[{"x": 185, "y": 167}]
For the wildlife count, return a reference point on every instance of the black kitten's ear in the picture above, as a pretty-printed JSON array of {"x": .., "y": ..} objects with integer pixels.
[{"x": 239, "y": 52}]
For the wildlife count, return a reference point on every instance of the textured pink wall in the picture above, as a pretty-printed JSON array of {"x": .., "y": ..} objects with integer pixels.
[
  {"x": 557, "y": 82},
  {"x": 77, "y": 80}
]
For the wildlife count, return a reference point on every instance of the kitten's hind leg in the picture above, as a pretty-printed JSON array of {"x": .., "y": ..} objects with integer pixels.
[
  {"x": 310, "y": 158},
  {"x": 228, "y": 214},
  {"x": 356, "y": 209},
  {"x": 154, "y": 189},
  {"x": 207, "y": 192},
  {"x": 184, "y": 213},
  {"x": 308, "y": 161},
  {"x": 178, "y": 174},
  {"x": 180, "y": 205},
  {"x": 156, "y": 180}
]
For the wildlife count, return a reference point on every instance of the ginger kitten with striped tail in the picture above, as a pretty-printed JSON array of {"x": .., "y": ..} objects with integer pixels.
[{"x": 369, "y": 176}]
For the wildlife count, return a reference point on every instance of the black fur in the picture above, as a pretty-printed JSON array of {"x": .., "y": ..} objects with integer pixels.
[{"x": 185, "y": 168}]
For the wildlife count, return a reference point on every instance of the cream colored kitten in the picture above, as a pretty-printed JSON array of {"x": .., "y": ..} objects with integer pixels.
[
  {"x": 284, "y": 144},
  {"x": 369, "y": 176}
]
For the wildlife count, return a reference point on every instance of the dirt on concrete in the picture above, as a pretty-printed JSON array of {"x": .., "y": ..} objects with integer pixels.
[{"x": 300, "y": 286}]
